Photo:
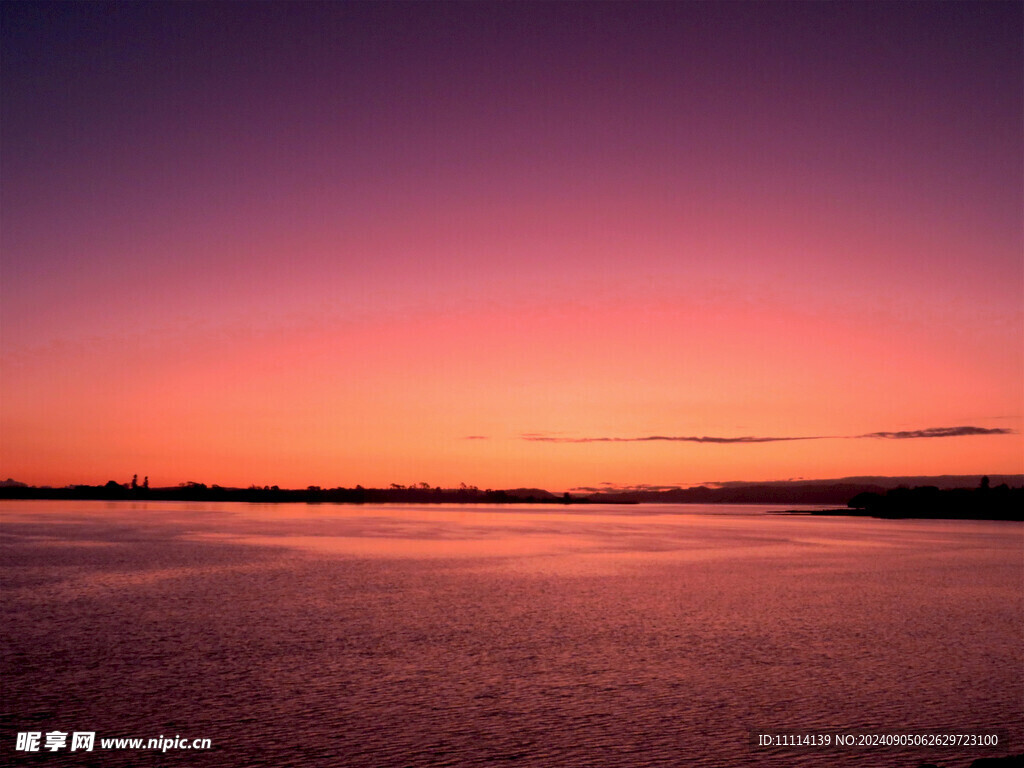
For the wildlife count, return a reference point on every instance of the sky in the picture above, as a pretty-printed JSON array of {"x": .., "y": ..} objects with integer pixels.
[{"x": 357, "y": 243}]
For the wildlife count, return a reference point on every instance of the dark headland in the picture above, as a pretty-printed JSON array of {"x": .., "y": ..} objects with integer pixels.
[{"x": 929, "y": 502}]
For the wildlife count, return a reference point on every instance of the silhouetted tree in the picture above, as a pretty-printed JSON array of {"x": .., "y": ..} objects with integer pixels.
[{"x": 866, "y": 500}]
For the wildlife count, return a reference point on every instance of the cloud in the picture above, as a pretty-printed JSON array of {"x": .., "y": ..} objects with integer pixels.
[
  {"x": 908, "y": 435},
  {"x": 666, "y": 438},
  {"x": 938, "y": 432},
  {"x": 475, "y": 437}
]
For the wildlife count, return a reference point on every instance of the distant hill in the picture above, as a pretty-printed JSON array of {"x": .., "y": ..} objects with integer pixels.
[
  {"x": 942, "y": 482},
  {"x": 813, "y": 493},
  {"x": 530, "y": 493},
  {"x": 838, "y": 491}
]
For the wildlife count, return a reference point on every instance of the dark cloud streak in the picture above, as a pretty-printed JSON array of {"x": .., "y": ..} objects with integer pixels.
[
  {"x": 938, "y": 432},
  {"x": 665, "y": 438},
  {"x": 907, "y": 435}
]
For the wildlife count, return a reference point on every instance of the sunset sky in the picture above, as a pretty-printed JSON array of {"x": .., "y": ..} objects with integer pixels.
[{"x": 353, "y": 243}]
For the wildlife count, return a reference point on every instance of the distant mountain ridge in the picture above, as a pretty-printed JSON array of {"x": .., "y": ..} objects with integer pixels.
[
  {"x": 825, "y": 493},
  {"x": 837, "y": 491},
  {"x": 943, "y": 482}
]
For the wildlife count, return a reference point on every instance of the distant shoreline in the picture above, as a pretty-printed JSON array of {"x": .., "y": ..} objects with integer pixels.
[
  {"x": 296, "y": 496},
  {"x": 828, "y": 493},
  {"x": 928, "y": 502}
]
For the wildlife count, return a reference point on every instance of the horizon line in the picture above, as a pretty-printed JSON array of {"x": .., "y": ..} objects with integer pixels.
[{"x": 616, "y": 487}]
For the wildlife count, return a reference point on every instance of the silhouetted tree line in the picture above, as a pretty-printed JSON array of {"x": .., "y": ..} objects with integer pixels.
[
  {"x": 982, "y": 503},
  {"x": 420, "y": 493}
]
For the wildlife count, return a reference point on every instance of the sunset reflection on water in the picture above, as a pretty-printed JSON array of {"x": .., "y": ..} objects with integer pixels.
[{"x": 587, "y": 636}]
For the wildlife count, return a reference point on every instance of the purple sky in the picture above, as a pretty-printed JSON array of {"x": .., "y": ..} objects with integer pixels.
[{"x": 797, "y": 186}]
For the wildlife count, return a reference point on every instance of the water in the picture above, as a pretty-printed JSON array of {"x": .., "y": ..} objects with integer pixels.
[{"x": 383, "y": 636}]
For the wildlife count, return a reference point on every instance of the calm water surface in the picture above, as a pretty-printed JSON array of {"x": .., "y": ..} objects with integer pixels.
[{"x": 381, "y": 636}]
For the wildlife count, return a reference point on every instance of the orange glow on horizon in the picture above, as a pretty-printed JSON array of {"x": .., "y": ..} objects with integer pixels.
[
  {"x": 373, "y": 403},
  {"x": 333, "y": 263}
]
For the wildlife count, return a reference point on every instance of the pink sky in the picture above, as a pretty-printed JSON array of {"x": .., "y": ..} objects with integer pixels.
[{"x": 332, "y": 262}]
